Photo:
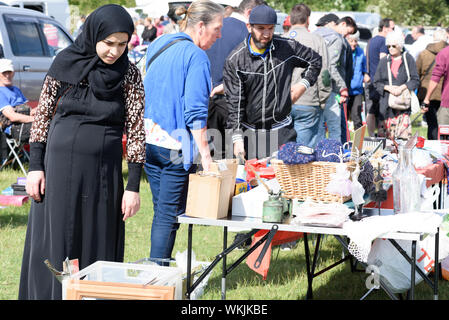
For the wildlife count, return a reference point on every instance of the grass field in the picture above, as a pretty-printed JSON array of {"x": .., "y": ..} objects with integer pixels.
[{"x": 286, "y": 280}]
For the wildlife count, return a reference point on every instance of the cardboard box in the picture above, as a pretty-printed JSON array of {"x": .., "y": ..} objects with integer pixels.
[
  {"x": 210, "y": 193},
  {"x": 232, "y": 166},
  {"x": 250, "y": 203}
]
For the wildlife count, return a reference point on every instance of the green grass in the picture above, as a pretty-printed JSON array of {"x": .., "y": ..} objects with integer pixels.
[{"x": 286, "y": 280}]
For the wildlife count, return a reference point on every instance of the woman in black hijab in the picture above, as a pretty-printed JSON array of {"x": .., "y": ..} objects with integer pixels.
[{"x": 91, "y": 96}]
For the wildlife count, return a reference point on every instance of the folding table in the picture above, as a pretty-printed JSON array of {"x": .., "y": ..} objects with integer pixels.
[{"x": 340, "y": 234}]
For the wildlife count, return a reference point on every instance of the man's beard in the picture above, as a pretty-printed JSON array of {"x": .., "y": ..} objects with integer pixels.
[{"x": 259, "y": 45}]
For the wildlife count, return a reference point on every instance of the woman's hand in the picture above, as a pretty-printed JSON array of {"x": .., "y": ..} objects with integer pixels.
[
  {"x": 394, "y": 90},
  {"x": 217, "y": 90},
  {"x": 130, "y": 204},
  {"x": 35, "y": 185},
  {"x": 206, "y": 161}
]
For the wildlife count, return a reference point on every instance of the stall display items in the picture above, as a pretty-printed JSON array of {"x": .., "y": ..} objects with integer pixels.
[
  {"x": 406, "y": 186},
  {"x": 305, "y": 178}
]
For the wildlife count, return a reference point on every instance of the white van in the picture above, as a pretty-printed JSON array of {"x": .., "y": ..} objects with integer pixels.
[{"x": 57, "y": 9}]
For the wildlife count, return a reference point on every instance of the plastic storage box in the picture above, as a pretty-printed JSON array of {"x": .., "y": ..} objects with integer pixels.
[{"x": 124, "y": 281}]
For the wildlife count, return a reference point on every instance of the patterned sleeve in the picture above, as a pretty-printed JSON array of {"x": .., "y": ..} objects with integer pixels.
[
  {"x": 135, "y": 107},
  {"x": 44, "y": 110}
]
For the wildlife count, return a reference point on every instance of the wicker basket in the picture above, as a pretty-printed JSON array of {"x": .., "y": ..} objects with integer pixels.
[{"x": 307, "y": 181}]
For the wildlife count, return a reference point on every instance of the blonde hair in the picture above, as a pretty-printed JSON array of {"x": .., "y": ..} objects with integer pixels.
[
  {"x": 200, "y": 10},
  {"x": 395, "y": 38},
  {"x": 355, "y": 36}
]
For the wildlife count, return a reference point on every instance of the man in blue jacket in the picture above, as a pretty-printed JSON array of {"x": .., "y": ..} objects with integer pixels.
[{"x": 233, "y": 32}]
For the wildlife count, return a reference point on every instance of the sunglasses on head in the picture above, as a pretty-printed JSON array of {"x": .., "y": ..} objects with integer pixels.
[{"x": 392, "y": 46}]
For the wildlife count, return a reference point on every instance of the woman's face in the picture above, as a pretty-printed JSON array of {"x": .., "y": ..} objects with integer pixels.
[
  {"x": 394, "y": 49},
  {"x": 209, "y": 33},
  {"x": 111, "y": 49},
  {"x": 353, "y": 43}
]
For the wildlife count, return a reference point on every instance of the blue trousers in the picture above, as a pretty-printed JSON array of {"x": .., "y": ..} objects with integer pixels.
[
  {"x": 307, "y": 121},
  {"x": 332, "y": 117},
  {"x": 169, "y": 185}
]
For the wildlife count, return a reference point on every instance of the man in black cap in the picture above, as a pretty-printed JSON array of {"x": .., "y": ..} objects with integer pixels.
[
  {"x": 233, "y": 32},
  {"x": 257, "y": 82}
]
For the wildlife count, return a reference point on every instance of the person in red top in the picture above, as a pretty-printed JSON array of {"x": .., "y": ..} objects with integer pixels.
[{"x": 441, "y": 70}]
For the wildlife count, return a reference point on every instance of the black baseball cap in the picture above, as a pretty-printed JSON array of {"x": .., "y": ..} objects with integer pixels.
[
  {"x": 263, "y": 14},
  {"x": 326, "y": 19}
]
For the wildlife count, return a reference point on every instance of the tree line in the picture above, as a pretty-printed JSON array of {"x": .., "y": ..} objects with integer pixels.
[{"x": 403, "y": 12}]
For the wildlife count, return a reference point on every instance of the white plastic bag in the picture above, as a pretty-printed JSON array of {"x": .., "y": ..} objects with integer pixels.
[
  {"x": 393, "y": 269},
  {"x": 196, "y": 266},
  {"x": 429, "y": 196}
]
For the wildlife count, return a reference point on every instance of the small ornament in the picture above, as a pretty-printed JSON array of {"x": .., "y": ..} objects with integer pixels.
[
  {"x": 379, "y": 195},
  {"x": 340, "y": 184}
]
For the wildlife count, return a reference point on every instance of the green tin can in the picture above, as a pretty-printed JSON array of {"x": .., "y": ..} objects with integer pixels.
[{"x": 273, "y": 209}]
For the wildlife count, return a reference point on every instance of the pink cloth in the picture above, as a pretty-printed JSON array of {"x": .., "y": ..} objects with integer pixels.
[{"x": 17, "y": 201}]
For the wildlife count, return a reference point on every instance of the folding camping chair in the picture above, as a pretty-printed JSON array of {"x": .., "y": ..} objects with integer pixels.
[{"x": 16, "y": 151}]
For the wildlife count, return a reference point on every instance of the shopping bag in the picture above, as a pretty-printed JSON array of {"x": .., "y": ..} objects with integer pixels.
[{"x": 392, "y": 267}]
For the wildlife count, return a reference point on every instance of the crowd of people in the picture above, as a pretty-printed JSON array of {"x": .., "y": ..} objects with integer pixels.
[
  {"x": 216, "y": 83},
  {"x": 373, "y": 77}
]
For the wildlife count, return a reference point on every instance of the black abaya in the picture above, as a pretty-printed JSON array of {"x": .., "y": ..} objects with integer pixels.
[{"x": 80, "y": 215}]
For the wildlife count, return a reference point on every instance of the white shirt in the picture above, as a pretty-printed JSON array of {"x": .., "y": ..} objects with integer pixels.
[{"x": 419, "y": 45}]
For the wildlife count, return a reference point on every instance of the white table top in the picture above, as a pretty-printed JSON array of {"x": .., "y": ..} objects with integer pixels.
[{"x": 257, "y": 223}]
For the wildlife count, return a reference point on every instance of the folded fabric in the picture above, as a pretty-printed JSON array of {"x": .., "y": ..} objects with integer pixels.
[
  {"x": 13, "y": 200},
  {"x": 362, "y": 233},
  {"x": 321, "y": 214}
]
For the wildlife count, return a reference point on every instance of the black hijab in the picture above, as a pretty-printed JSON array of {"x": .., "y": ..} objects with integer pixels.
[{"x": 80, "y": 59}]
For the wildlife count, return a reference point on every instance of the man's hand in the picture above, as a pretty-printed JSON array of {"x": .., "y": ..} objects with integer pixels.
[
  {"x": 35, "y": 184},
  {"x": 296, "y": 91},
  {"x": 366, "y": 78},
  {"x": 130, "y": 204},
  {"x": 344, "y": 94},
  {"x": 239, "y": 148}
]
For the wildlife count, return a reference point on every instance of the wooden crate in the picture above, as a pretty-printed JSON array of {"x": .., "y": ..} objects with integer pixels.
[{"x": 80, "y": 289}]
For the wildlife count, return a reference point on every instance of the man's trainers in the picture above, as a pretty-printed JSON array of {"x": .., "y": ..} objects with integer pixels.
[
  {"x": 239, "y": 237},
  {"x": 288, "y": 245}
]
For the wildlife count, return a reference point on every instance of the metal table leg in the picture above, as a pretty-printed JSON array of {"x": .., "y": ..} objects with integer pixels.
[
  {"x": 412, "y": 276},
  {"x": 223, "y": 275},
  {"x": 309, "y": 273},
  {"x": 437, "y": 265},
  {"x": 189, "y": 260}
]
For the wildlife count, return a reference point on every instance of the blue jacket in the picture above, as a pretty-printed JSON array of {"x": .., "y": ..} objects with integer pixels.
[
  {"x": 177, "y": 87},
  {"x": 233, "y": 32},
  {"x": 359, "y": 69}
]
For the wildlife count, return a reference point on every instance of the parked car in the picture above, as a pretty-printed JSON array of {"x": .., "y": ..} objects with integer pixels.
[
  {"x": 31, "y": 40},
  {"x": 57, "y": 9}
]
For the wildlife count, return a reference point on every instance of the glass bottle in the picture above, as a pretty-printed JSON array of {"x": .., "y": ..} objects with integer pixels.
[{"x": 406, "y": 188}]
